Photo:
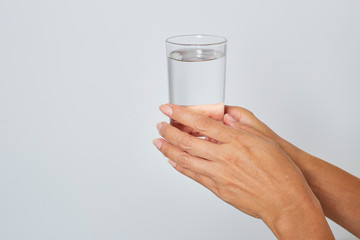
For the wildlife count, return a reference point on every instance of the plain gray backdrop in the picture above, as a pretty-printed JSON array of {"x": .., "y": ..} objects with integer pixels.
[{"x": 80, "y": 86}]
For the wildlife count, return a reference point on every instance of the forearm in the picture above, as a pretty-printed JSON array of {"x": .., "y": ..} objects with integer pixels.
[{"x": 337, "y": 190}]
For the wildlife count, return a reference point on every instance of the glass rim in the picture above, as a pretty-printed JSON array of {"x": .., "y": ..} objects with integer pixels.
[{"x": 222, "y": 40}]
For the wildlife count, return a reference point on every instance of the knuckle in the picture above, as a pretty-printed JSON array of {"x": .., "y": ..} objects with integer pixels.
[
  {"x": 226, "y": 191},
  {"x": 214, "y": 188},
  {"x": 163, "y": 129},
  {"x": 185, "y": 142},
  {"x": 224, "y": 194},
  {"x": 165, "y": 148},
  {"x": 196, "y": 176},
  {"x": 244, "y": 111},
  {"x": 179, "y": 169},
  {"x": 185, "y": 161},
  {"x": 201, "y": 124},
  {"x": 248, "y": 112},
  {"x": 177, "y": 110}
]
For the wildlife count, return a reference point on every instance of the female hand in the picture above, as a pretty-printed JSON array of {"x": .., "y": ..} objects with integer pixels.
[
  {"x": 337, "y": 190},
  {"x": 250, "y": 172}
]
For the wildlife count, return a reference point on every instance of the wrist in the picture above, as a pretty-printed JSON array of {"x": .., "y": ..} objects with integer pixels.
[
  {"x": 299, "y": 157},
  {"x": 306, "y": 220}
]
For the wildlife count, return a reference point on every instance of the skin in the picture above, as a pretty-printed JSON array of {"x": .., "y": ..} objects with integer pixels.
[
  {"x": 337, "y": 190},
  {"x": 250, "y": 172}
]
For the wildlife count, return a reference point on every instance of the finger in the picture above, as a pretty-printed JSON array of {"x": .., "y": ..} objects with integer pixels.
[
  {"x": 193, "y": 145},
  {"x": 186, "y": 129},
  {"x": 203, "y": 180},
  {"x": 244, "y": 116},
  {"x": 190, "y": 131},
  {"x": 240, "y": 114},
  {"x": 211, "y": 140},
  {"x": 205, "y": 125},
  {"x": 230, "y": 121},
  {"x": 184, "y": 159}
]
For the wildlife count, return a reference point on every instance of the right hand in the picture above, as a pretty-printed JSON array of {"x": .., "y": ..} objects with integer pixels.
[
  {"x": 249, "y": 172},
  {"x": 337, "y": 190}
]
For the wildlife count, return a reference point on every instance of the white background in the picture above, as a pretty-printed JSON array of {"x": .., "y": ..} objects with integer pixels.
[{"x": 80, "y": 85}]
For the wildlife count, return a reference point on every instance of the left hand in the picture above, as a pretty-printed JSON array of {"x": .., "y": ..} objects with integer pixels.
[{"x": 250, "y": 172}]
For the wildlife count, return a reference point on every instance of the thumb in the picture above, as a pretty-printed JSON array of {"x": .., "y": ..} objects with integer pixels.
[{"x": 230, "y": 121}]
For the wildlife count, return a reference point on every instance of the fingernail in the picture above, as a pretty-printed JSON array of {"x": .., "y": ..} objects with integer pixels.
[
  {"x": 172, "y": 163},
  {"x": 157, "y": 143},
  {"x": 231, "y": 119},
  {"x": 159, "y": 126},
  {"x": 166, "y": 109}
]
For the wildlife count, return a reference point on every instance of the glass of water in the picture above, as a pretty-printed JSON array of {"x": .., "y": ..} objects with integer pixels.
[{"x": 196, "y": 69}]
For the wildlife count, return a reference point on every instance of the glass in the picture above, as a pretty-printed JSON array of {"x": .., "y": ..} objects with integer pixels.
[{"x": 196, "y": 70}]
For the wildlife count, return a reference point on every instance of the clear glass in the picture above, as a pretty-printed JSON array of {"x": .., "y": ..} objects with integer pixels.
[{"x": 196, "y": 70}]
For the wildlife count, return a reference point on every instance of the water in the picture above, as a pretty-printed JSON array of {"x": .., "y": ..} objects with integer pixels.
[{"x": 196, "y": 76}]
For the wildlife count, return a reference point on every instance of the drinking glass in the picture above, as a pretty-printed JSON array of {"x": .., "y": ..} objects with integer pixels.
[{"x": 196, "y": 72}]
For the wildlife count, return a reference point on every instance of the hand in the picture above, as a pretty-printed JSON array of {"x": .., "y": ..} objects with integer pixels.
[
  {"x": 337, "y": 190},
  {"x": 250, "y": 172}
]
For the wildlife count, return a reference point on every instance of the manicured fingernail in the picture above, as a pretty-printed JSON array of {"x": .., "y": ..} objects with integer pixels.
[
  {"x": 159, "y": 126},
  {"x": 172, "y": 163},
  {"x": 157, "y": 143},
  {"x": 231, "y": 119},
  {"x": 166, "y": 109}
]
